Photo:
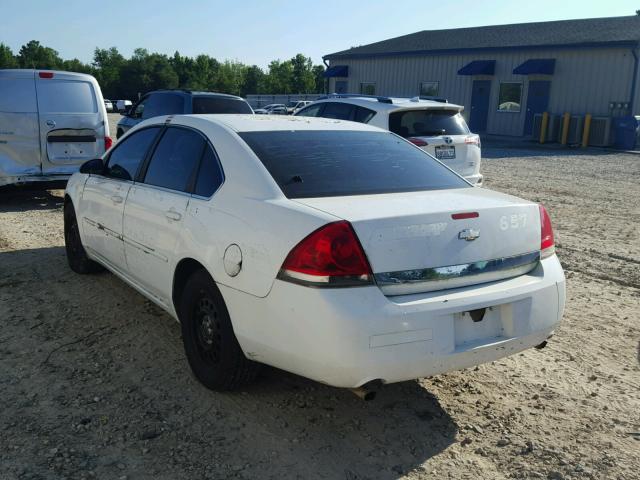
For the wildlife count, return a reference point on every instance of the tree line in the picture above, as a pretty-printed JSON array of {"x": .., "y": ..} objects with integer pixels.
[{"x": 121, "y": 77}]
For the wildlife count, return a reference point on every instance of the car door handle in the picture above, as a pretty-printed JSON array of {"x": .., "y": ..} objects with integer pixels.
[
  {"x": 117, "y": 198},
  {"x": 173, "y": 215}
]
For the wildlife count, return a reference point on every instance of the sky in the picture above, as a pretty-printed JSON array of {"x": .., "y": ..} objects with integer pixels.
[{"x": 256, "y": 32}]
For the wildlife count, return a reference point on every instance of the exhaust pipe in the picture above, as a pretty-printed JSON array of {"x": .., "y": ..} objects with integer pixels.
[{"x": 368, "y": 391}]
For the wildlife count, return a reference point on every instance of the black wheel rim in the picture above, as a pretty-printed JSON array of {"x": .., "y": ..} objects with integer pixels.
[{"x": 206, "y": 330}]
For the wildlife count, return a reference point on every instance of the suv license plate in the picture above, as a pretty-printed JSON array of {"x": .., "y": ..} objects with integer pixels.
[{"x": 445, "y": 153}]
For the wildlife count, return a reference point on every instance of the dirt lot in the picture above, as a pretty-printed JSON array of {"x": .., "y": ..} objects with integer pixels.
[{"x": 95, "y": 385}]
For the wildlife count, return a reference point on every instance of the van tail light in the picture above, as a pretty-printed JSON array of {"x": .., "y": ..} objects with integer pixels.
[
  {"x": 331, "y": 256},
  {"x": 473, "y": 140},
  {"x": 547, "y": 243},
  {"x": 108, "y": 142},
  {"x": 45, "y": 74},
  {"x": 417, "y": 141}
]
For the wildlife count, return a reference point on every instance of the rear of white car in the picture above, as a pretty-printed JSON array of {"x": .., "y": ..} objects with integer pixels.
[{"x": 50, "y": 123}]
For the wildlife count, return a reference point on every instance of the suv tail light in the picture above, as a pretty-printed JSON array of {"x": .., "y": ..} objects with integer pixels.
[
  {"x": 331, "y": 256},
  {"x": 547, "y": 243},
  {"x": 473, "y": 140},
  {"x": 108, "y": 142},
  {"x": 417, "y": 141},
  {"x": 45, "y": 74}
]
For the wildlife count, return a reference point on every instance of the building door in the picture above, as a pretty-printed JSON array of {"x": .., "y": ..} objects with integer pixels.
[
  {"x": 341, "y": 86},
  {"x": 537, "y": 102},
  {"x": 480, "y": 92}
]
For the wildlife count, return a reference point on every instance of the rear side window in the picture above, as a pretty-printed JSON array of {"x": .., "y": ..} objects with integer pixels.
[
  {"x": 213, "y": 104},
  {"x": 340, "y": 111},
  {"x": 61, "y": 96},
  {"x": 129, "y": 153},
  {"x": 324, "y": 163},
  {"x": 17, "y": 95},
  {"x": 363, "y": 115},
  {"x": 175, "y": 159},
  {"x": 210, "y": 174},
  {"x": 162, "y": 104},
  {"x": 427, "y": 123}
]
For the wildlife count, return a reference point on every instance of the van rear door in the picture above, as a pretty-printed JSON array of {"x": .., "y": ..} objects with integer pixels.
[
  {"x": 19, "y": 131},
  {"x": 72, "y": 121}
]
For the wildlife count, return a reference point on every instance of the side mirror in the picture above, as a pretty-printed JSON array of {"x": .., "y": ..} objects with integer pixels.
[{"x": 93, "y": 167}]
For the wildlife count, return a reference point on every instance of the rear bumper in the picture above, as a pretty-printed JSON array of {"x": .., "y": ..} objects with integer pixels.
[
  {"x": 33, "y": 178},
  {"x": 347, "y": 337},
  {"x": 475, "y": 180}
]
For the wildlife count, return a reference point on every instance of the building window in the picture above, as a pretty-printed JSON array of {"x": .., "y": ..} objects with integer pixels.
[
  {"x": 368, "y": 88},
  {"x": 429, "y": 89},
  {"x": 510, "y": 97}
]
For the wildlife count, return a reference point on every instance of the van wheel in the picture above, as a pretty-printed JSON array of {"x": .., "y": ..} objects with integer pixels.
[
  {"x": 119, "y": 133},
  {"x": 76, "y": 254},
  {"x": 211, "y": 347}
]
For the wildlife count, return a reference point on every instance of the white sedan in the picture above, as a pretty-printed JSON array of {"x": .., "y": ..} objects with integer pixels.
[{"x": 334, "y": 250}]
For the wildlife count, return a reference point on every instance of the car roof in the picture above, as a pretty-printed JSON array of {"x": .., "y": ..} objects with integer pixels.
[
  {"x": 30, "y": 72},
  {"x": 196, "y": 93},
  {"x": 396, "y": 103},
  {"x": 266, "y": 123}
]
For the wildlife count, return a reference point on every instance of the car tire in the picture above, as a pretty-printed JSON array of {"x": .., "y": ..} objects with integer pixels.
[
  {"x": 76, "y": 254},
  {"x": 211, "y": 347}
]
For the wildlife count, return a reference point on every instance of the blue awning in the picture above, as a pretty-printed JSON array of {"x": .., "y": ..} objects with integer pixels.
[
  {"x": 478, "y": 67},
  {"x": 337, "y": 71},
  {"x": 540, "y": 66}
]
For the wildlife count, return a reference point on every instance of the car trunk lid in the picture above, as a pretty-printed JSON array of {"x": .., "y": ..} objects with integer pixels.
[{"x": 460, "y": 229}]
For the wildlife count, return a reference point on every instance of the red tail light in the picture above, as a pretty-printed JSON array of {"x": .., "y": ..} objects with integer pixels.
[
  {"x": 329, "y": 257},
  {"x": 108, "y": 142},
  {"x": 417, "y": 141},
  {"x": 45, "y": 74},
  {"x": 547, "y": 243},
  {"x": 473, "y": 140}
]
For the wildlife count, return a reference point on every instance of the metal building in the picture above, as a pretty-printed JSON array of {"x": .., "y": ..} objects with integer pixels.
[{"x": 506, "y": 74}]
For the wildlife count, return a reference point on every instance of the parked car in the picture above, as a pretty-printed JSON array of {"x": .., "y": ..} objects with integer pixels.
[
  {"x": 170, "y": 102},
  {"x": 50, "y": 123},
  {"x": 269, "y": 109},
  {"x": 296, "y": 105},
  {"x": 108, "y": 105},
  {"x": 123, "y": 106},
  {"x": 434, "y": 125},
  {"x": 334, "y": 250}
]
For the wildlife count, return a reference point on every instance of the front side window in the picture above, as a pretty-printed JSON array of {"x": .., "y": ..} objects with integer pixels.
[
  {"x": 368, "y": 88},
  {"x": 427, "y": 123},
  {"x": 310, "y": 111},
  {"x": 429, "y": 89},
  {"x": 175, "y": 159},
  {"x": 509, "y": 98},
  {"x": 327, "y": 163},
  {"x": 66, "y": 97},
  {"x": 209, "y": 175},
  {"x": 128, "y": 154}
]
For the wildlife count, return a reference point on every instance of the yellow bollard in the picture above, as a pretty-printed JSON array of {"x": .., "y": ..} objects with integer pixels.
[
  {"x": 543, "y": 127},
  {"x": 565, "y": 127},
  {"x": 585, "y": 131}
]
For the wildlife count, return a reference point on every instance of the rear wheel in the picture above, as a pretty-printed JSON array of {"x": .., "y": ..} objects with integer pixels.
[
  {"x": 211, "y": 347},
  {"x": 76, "y": 254}
]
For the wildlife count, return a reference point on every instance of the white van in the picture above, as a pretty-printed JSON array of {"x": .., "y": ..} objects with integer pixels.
[{"x": 50, "y": 123}]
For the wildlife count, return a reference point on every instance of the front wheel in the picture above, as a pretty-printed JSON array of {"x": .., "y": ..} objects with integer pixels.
[
  {"x": 76, "y": 254},
  {"x": 210, "y": 345}
]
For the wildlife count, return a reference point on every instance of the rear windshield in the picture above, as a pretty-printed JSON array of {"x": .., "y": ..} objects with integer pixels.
[
  {"x": 63, "y": 96},
  {"x": 336, "y": 163},
  {"x": 220, "y": 105},
  {"x": 427, "y": 123}
]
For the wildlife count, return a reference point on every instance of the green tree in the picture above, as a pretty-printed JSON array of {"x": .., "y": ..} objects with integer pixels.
[
  {"x": 7, "y": 59},
  {"x": 108, "y": 64},
  {"x": 75, "y": 65},
  {"x": 34, "y": 55},
  {"x": 279, "y": 79},
  {"x": 319, "y": 80},
  {"x": 254, "y": 79},
  {"x": 145, "y": 72},
  {"x": 302, "y": 79},
  {"x": 231, "y": 77}
]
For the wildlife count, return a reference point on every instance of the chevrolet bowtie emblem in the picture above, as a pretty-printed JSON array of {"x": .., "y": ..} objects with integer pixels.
[{"x": 469, "y": 234}]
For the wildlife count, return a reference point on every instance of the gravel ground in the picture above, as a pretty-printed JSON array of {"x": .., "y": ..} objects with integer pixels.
[{"x": 95, "y": 384}]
